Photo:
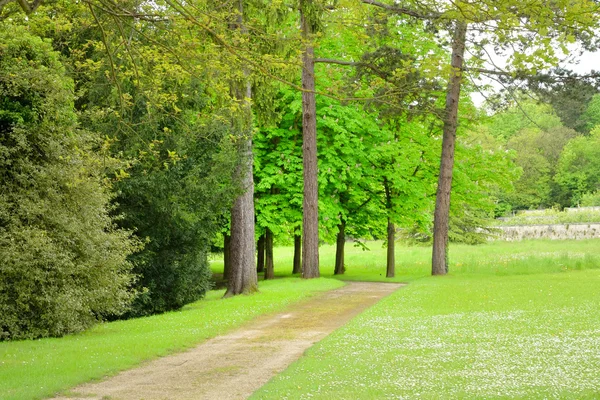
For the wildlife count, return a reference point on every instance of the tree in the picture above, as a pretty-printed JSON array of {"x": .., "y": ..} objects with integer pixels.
[
  {"x": 514, "y": 26},
  {"x": 569, "y": 95},
  {"x": 63, "y": 262},
  {"x": 310, "y": 205},
  {"x": 439, "y": 265},
  {"x": 161, "y": 114},
  {"x": 578, "y": 172},
  {"x": 242, "y": 277},
  {"x": 591, "y": 115}
]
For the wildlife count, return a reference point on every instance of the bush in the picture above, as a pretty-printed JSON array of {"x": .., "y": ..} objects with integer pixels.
[
  {"x": 177, "y": 210},
  {"x": 590, "y": 199},
  {"x": 63, "y": 264}
]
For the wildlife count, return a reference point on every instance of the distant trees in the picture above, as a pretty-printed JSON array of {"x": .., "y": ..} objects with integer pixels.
[
  {"x": 556, "y": 162},
  {"x": 578, "y": 171}
]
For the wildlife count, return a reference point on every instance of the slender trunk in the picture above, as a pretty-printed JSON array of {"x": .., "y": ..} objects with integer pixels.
[
  {"x": 339, "y": 248},
  {"x": 242, "y": 277},
  {"x": 297, "y": 254},
  {"x": 260, "y": 259},
  {"x": 310, "y": 203},
  {"x": 391, "y": 247},
  {"x": 439, "y": 264},
  {"x": 226, "y": 258},
  {"x": 269, "y": 267}
]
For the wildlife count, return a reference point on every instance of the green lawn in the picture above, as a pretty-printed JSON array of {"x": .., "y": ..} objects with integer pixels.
[
  {"x": 35, "y": 369},
  {"x": 413, "y": 262},
  {"x": 499, "y": 326},
  {"x": 512, "y": 319}
]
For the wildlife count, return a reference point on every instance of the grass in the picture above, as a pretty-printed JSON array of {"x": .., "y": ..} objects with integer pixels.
[
  {"x": 462, "y": 336},
  {"x": 414, "y": 262},
  {"x": 512, "y": 320},
  {"x": 36, "y": 369}
]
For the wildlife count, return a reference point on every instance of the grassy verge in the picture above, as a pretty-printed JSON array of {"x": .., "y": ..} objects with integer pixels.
[
  {"x": 414, "y": 262},
  {"x": 469, "y": 336},
  {"x": 39, "y": 368}
]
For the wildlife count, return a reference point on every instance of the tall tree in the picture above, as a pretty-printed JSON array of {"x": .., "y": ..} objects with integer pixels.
[
  {"x": 439, "y": 262},
  {"x": 310, "y": 204},
  {"x": 242, "y": 277}
]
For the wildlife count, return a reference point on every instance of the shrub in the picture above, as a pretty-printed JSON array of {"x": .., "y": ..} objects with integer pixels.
[{"x": 63, "y": 264}]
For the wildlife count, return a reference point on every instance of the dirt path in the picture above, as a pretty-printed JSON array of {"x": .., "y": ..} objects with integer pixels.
[{"x": 233, "y": 366}]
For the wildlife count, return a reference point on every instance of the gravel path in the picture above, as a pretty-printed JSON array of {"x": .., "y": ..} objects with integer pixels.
[{"x": 233, "y": 366}]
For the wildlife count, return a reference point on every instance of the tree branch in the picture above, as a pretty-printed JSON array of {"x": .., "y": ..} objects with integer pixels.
[
  {"x": 27, "y": 7},
  {"x": 403, "y": 10}
]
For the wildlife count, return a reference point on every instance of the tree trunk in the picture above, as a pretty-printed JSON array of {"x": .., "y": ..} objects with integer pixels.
[
  {"x": 391, "y": 248},
  {"x": 439, "y": 265},
  {"x": 269, "y": 267},
  {"x": 339, "y": 248},
  {"x": 242, "y": 277},
  {"x": 260, "y": 259},
  {"x": 297, "y": 254},
  {"x": 226, "y": 257},
  {"x": 310, "y": 204}
]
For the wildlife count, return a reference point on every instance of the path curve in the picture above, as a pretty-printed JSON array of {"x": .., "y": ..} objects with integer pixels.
[{"x": 234, "y": 365}]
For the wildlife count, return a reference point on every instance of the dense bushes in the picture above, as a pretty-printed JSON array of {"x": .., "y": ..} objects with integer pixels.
[
  {"x": 63, "y": 264},
  {"x": 176, "y": 209}
]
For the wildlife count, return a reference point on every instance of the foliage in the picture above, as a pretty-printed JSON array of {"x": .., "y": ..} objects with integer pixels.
[
  {"x": 162, "y": 115},
  {"x": 578, "y": 170},
  {"x": 590, "y": 199},
  {"x": 523, "y": 115},
  {"x": 33, "y": 370},
  {"x": 63, "y": 262},
  {"x": 536, "y": 138},
  {"x": 591, "y": 115},
  {"x": 569, "y": 96},
  {"x": 483, "y": 171},
  {"x": 550, "y": 216}
]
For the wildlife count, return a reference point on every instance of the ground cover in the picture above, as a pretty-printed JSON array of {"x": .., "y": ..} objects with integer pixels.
[
  {"x": 462, "y": 336},
  {"x": 413, "y": 262},
  {"x": 38, "y": 368},
  {"x": 34, "y": 369}
]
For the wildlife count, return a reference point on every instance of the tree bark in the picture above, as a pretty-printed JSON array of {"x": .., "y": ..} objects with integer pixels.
[
  {"x": 242, "y": 277},
  {"x": 439, "y": 264},
  {"x": 269, "y": 265},
  {"x": 226, "y": 257},
  {"x": 297, "y": 254},
  {"x": 339, "y": 248},
  {"x": 260, "y": 259},
  {"x": 391, "y": 248},
  {"x": 310, "y": 219}
]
